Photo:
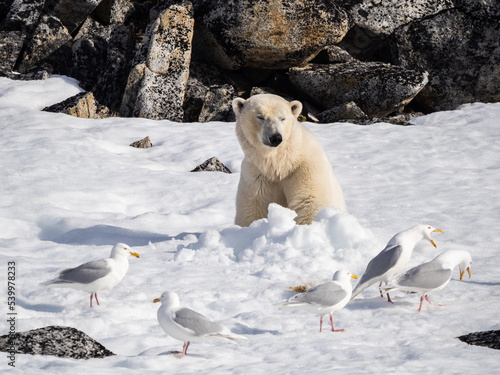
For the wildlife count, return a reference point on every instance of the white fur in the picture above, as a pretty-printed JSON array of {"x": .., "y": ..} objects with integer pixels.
[{"x": 295, "y": 174}]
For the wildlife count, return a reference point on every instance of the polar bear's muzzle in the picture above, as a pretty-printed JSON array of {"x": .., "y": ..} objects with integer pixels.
[{"x": 271, "y": 136}]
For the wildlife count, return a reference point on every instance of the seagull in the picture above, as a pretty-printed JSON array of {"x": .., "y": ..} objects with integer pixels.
[
  {"x": 187, "y": 325},
  {"x": 324, "y": 298},
  {"x": 432, "y": 276},
  {"x": 395, "y": 256},
  {"x": 96, "y": 275}
]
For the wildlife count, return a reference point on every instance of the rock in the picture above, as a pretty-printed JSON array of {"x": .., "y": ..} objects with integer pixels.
[
  {"x": 113, "y": 11},
  {"x": 461, "y": 54},
  {"x": 72, "y": 13},
  {"x": 143, "y": 143},
  {"x": 212, "y": 165},
  {"x": 377, "y": 89},
  {"x": 480, "y": 8},
  {"x": 49, "y": 36},
  {"x": 384, "y": 16},
  {"x": 217, "y": 105},
  {"x": 490, "y": 339},
  {"x": 81, "y": 105},
  {"x": 57, "y": 341},
  {"x": 19, "y": 22},
  {"x": 274, "y": 34},
  {"x": 347, "y": 111},
  {"x": 158, "y": 79}
]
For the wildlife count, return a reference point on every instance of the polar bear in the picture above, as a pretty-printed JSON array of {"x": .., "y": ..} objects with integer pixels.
[{"x": 284, "y": 163}]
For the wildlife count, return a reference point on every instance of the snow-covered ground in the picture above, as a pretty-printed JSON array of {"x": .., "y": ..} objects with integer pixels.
[{"x": 71, "y": 188}]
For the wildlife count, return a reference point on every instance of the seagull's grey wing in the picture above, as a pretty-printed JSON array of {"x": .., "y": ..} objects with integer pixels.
[
  {"x": 327, "y": 294},
  {"x": 196, "y": 322},
  {"x": 85, "y": 273},
  {"x": 379, "y": 265},
  {"x": 426, "y": 276}
]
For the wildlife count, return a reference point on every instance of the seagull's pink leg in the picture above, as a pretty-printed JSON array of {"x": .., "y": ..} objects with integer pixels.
[
  {"x": 389, "y": 298},
  {"x": 320, "y": 322},
  {"x": 380, "y": 290},
  {"x": 333, "y": 330},
  {"x": 91, "y": 294},
  {"x": 95, "y": 294},
  {"x": 421, "y": 300},
  {"x": 428, "y": 300},
  {"x": 185, "y": 348}
]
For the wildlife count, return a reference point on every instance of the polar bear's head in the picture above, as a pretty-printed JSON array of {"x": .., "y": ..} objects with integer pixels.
[{"x": 265, "y": 119}]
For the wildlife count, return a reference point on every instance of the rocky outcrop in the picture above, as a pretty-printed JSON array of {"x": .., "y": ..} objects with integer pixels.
[
  {"x": 57, "y": 341},
  {"x": 185, "y": 60},
  {"x": 274, "y": 34},
  {"x": 157, "y": 82},
  {"x": 490, "y": 339},
  {"x": 143, "y": 143},
  {"x": 377, "y": 89},
  {"x": 81, "y": 105},
  {"x": 461, "y": 54}
]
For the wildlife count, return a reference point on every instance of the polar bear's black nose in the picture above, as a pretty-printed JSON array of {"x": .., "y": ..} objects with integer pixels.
[{"x": 275, "y": 139}]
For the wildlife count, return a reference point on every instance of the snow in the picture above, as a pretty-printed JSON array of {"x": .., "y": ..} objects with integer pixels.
[{"x": 71, "y": 188}]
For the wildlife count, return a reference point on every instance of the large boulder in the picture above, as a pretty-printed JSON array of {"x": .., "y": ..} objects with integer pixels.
[
  {"x": 57, "y": 341},
  {"x": 384, "y": 16},
  {"x": 377, "y": 89},
  {"x": 157, "y": 82},
  {"x": 274, "y": 34},
  {"x": 19, "y": 22},
  {"x": 73, "y": 13},
  {"x": 461, "y": 54}
]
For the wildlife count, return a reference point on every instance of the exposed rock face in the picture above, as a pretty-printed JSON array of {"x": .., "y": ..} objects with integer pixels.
[
  {"x": 212, "y": 165},
  {"x": 273, "y": 34},
  {"x": 384, "y": 16},
  {"x": 377, "y": 89},
  {"x": 81, "y": 105},
  {"x": 72, "y": 13},
  {"x": 64, "y": 342},
  {"x": 490, "y": 339},
  {"x": 461, "y": 54},
  {"x": 157, "y": 83}
]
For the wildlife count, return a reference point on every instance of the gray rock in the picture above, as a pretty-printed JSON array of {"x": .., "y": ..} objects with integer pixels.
[
  {"x": 72, "y": 13},
  {"x": 461, "y": 54},
  {"x": 480, "y": 8},
  {"x": 217, "y": 104},
  {"x": 49, "y": 36},
  {"x": 157, "y": 82},
  {"x": 57, "y": 341},
  {"x": 490, "y": 339},
  {"x": 347, "y": 111},
  {"x": 212, "y": 165},
  {"x": 143, "y": 143},
  {"x": 81, "y": 105},
  {"x": 274, "y": 34},
  {"x": 19, "y": 22},
  {"x": 113, "y": 11},
  {"x": 384, "y": 16},
  {"x": 378, "y": 89}
]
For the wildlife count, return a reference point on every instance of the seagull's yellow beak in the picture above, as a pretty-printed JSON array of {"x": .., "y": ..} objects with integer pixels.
[
  {"x": 135, "y": 254},
  {"x": 354, "y": 276},
  {"x": 156, "y": 300},
  {"x": 432, "y": 241},
  {"x": 463, "y": 272}
]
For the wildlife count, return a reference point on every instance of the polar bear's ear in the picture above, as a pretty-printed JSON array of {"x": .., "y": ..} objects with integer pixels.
[
  {"x": 296, "y": 108},
  {"x": 238, "y": 104}
]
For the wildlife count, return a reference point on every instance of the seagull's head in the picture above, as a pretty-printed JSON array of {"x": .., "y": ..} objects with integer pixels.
[
  {"x": 169, "y": 299},
  {"x": 465, "y": 265},
  {"x": 121, "y": 249},
  {"x": 427, "y": 231},
  {"x": 342, "y": 275}
]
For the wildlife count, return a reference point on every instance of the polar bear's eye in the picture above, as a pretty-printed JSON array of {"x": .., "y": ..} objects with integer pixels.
[
  {"x": 260, "y": 117},
  {"x": 282, "y": 118}
]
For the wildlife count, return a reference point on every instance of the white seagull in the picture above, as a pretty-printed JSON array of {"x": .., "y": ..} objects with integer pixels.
[
  {"x": 432, "y": 276},
  {"x": 324, "y": 298},
  {"x": 96, "y": 275},
  {"x": 394, "y": 258},
  {"x": 187, "y": 325}
]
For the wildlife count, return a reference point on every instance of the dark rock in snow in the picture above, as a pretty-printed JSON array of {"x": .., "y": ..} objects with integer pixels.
[
  {"x": 57, "y": 341},
  {"x": 143, "y": 143},
  {"x": 212, "y": 165},
  {"x": 81, "y": 105},
  {"x": 490, "y": 339}
]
